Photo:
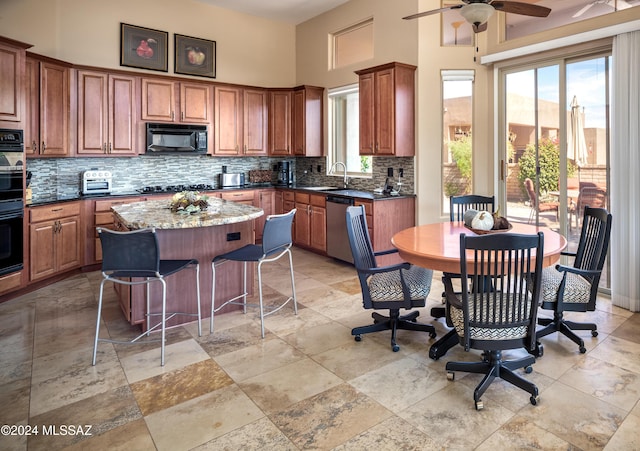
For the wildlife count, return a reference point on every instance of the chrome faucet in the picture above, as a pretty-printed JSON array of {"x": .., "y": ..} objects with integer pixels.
[{"x": 345, "y": 181}]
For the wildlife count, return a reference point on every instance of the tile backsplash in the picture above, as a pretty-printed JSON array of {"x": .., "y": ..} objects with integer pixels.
[{"x": 60, "y": 177}]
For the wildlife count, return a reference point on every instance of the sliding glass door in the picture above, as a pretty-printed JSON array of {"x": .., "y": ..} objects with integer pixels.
[{"x": 554, "y": 160}]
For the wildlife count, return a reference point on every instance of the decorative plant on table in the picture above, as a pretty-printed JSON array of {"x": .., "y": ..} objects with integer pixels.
[{"x": 189, "y": 202}]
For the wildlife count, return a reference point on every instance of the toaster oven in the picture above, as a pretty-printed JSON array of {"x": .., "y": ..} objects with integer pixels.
[{"x": 97, "y": 182}]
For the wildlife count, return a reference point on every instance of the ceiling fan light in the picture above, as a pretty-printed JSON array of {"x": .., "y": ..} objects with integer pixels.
[{"x": 477, "y": 13}]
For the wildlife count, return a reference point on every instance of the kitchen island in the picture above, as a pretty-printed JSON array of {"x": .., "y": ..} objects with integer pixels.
[{"x": 222, "y": 227}]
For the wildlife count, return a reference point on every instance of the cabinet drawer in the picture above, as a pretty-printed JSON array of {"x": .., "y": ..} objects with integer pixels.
[
  {"x": 10, "y": 282},
  {"x": 105, "y": 205},
  {"x": 237, "y": 196},
  {"x": 104, "y": 218},
  {"x": 302, "y": 198},
  {"x": 318, "y": 201},
  {"x": 54, "y": 212},
  {"x": 289, "y": 195}
]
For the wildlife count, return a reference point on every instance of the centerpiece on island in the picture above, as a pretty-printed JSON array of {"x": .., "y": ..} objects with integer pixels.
[{"x": 189, "y": 202}]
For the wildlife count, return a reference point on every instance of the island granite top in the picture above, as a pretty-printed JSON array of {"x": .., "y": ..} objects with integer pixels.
[{"x": 157, "y": 213}]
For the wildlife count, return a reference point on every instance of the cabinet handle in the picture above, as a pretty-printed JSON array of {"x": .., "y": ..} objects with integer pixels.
[
  {"x": 172, "y": 116},
  {"x": 109, "y": 147},
  {"x": 182, "y": 116},
  {"x": 377, "y": 146},
  {"x": 245, "y": 148},
  {"x": 44, "y": 146},
  {"x": 57, "y": 209},
  {"x": 34, "y": 146}
]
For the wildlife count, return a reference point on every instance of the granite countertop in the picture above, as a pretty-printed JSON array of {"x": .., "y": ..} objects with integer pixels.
[{"x": 156, "y": 213}]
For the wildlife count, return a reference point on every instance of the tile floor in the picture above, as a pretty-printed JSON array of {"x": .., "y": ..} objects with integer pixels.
[{"x": 307, "y": 385}]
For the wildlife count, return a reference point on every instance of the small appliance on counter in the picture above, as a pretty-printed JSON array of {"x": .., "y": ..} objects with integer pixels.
[
  {"x": 96, "y": 181},
  {"x": 232, "y": 180},
  {"x": 285, "y": 173}
]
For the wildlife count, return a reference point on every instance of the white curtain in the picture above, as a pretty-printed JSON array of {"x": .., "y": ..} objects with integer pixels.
[{"x": 625, "y": 172}]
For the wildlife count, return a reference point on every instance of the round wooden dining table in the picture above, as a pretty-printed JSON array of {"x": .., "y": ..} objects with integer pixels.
[{"x": 437, "y": 246}]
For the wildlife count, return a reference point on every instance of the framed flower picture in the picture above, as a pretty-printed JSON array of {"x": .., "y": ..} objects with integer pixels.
[
  {"x": 195, "y": 56},
  {"x": 143, "y": 48}
]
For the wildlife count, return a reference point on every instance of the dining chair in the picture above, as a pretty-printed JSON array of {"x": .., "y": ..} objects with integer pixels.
[
  {"x": 392, "y": 287},
  {"x": 133, "y": 258},
  {"x": 458, "y": 206},
  {"x": 496, "y": 310},
  {"x": 536, "y": 204},
  {"x": 276, "y": 243},
  {"x": 575, "y": 288}
]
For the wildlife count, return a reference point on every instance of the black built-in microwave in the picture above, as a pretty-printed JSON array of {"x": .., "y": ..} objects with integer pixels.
[{"x": 176, "y": 138}]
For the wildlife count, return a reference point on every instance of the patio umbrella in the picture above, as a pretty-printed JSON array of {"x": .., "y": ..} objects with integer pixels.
[{"x": 577, "y": 150}]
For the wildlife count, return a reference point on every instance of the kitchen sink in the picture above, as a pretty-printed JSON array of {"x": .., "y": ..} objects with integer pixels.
[
  {"x": 320, "y": 188},
  {"x": 352, "y": 193}
]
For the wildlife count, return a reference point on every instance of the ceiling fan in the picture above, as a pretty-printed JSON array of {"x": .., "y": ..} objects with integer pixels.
[
  {"x": 477, "y": 12},
  {"x": 617, "y": 5}
]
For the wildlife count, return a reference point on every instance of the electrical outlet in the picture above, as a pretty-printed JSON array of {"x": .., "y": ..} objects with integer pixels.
[
  {"x": 389, "y": 172},
  {"x": 401, "y": 172},
  {"x": 319, "y": 168},
  {"x": 310, "y": 168}
]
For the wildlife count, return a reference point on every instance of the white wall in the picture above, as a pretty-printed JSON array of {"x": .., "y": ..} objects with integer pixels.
[{"x": 250, "y": 50}]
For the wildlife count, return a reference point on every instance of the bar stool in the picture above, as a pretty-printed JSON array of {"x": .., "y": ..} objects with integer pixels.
[
  {"x": 276, "y": 242},
  {"x": 135, "y": 255}
]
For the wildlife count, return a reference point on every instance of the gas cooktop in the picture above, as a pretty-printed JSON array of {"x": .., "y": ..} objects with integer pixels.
[{"x": 176, "y": 188}]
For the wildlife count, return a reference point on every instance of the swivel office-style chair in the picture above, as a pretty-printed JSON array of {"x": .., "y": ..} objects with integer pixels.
[
  {"x": 276, "y": 243},
  {"x": 458, "y": 206},
  {"x": 393, "y": 287},
  {"x": 575, "y": 288},
  {"x": 133, "y": 258},
  {"x": 498, "y": 305}
]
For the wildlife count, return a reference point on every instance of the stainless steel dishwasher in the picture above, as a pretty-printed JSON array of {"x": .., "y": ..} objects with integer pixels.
[{"x": 337, "y": 239}]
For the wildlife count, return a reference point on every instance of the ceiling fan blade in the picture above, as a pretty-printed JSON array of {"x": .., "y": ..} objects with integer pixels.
[
  {"x": 526, "y": 9},
  {"x": 583, "y": 10},
  {"x": 433, "y": 11}
]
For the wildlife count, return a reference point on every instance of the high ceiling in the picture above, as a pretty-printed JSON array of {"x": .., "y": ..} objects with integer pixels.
[{"x": 290, "y": 11}]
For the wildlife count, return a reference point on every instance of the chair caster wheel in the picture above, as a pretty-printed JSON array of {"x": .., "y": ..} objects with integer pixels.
[
  {"x": 432, "y": 334},
  {"x": 594, "y": 333},
  {"x": 528, "y": 369},
  {"x": 534, "y": 400},
  {"x": 357, "y": 338},
  {"x": 583, "y": 349},
  {"x": 395, "y": 348},
  {"x": 479, "y": 405},
  {"x": 451, "y": 376}
]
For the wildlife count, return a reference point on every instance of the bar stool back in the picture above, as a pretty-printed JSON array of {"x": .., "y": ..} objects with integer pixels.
[
  {"x": 276, "y": 242},
  {"x": 133, "y": 258}
]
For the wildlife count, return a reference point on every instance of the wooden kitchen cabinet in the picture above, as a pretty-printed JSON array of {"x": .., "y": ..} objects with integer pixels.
[
  {"x": 101, "y": 216},
  {"x": 387, "y": 110},
  {"x": 265, "y": 199},
  {"x": 311, "y": 221},
  {"x": 48, "y": 108},
  {"x": 280, "y": 106},
  {"x": 106, "y": 114},
  {"x": 12, "y": 66},
  {"x": 307, "y": 114},
  {"x": 55, "y": 239},
  {"x": 241, "y": 121},
  {"x": 173, "y": 101}
]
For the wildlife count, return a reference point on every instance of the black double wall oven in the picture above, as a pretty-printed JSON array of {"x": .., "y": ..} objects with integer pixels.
[{"x": 11, "y": 201}]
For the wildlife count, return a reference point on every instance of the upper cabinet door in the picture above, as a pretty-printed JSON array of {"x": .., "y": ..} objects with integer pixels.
[
  {"x": 11, "y": 76},
  {"x": 256, "y": 121},
  {"x": 195, "y": 103},
  {"x": 54, "y": 109},
  {"x": 158, "y": 100},
  {"x": 367, "y": 116},
  {"x": 228, "y": 120},
  {"x": 280, "y": 122},
  {"x": 122, "y": 115}
]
